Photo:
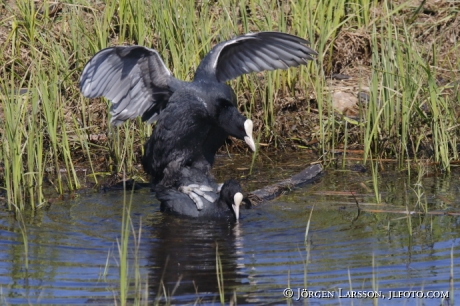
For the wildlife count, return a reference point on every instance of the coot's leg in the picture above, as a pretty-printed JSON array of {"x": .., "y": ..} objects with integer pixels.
[{"x": 195, "y": 192}]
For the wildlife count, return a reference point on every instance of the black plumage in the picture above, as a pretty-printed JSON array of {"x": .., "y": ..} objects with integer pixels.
[
  {"x": 224, "y": 203},
  {"x": 184, "y": 134}
]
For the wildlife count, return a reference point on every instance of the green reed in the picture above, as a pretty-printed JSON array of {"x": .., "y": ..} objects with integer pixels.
[
  {"x": 375, "y": 181},
  {"x": 451, "y": 278},
  {"x": 407, "y": 106},
  {"x": 307, "y": 245},
  {"x": 220, "y": 277},
  {"x": 12, "y": 147},
  {"x": 132, "y": 288},
  {"x": 123, "y": 248}
]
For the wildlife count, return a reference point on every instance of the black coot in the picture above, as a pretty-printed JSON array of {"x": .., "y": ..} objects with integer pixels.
[
  {"x": 214, "y": 201},
  {"x": 137, "y": 82}
]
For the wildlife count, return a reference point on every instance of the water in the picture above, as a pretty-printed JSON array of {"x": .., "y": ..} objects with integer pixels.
[{"x": 73, "y": 257}]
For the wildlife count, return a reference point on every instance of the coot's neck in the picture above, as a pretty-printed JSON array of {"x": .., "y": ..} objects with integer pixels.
[{"x": 206, "y": 70}]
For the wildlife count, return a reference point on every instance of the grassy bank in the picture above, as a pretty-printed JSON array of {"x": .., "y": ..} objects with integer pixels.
[{"x": 402, "y": 55}]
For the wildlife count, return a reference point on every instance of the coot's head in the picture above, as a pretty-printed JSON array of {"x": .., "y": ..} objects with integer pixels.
[
  {"x": 231, "y": 196},
  {"x": 235, "y": 124},
  {"x": 221, "y": 104}
]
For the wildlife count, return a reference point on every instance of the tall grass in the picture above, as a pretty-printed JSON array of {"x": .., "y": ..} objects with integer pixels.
[
  {"x": 132, "y": 289},
  {"x": 48, "y": 131},
  {"x": 408, "y": 106}
]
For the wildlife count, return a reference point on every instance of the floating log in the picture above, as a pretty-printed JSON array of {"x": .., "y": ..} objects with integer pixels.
[{"x": 270, "y": 192}]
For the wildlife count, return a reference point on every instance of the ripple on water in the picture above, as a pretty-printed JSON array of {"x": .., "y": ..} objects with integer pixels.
[{"x": 70, "y": 244}]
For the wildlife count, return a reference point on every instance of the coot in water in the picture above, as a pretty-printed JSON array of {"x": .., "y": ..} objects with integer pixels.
[{"x": 213, "y": 200}]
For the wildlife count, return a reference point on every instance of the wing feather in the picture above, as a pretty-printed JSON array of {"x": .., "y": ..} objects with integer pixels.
[
  {"x": 255, "y": 52},
  {"x": 130, "y": 77}
]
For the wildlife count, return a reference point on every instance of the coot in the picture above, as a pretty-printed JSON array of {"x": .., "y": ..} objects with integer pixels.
[
  {"x": 137, "y": 82},
  {"x": 213, "y": 201}
]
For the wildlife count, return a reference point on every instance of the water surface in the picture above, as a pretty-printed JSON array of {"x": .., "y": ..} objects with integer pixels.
[{"x": 72, "y": 256}]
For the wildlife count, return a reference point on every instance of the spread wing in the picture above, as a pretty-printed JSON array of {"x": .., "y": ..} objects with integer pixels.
[
  {"x": 133, "y": 78},
  {"x": 255, "y": 52}
]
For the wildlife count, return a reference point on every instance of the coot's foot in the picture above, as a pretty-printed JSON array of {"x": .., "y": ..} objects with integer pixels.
[{"x": 195, "y": 191}]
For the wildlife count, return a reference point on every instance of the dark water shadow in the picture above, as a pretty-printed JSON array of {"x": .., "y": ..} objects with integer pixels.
[{"x": 185, "y": 262}]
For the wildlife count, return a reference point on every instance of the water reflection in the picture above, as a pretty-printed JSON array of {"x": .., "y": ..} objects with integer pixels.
[{"x": 184, "y": 261}]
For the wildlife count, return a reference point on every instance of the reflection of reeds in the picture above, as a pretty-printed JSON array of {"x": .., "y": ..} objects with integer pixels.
[
  {"x": 25, "y": 240},
  {"x": 411, "y": 113},
  {"x": 375, "y": 286},
  {"x": 418, "y": 188}
]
